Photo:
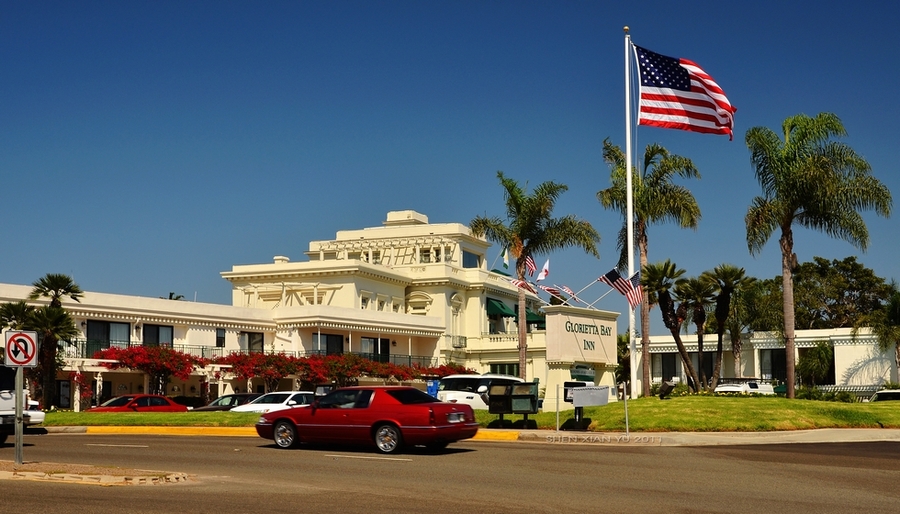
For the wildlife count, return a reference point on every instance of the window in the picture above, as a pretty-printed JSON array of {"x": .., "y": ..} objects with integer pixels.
[
  {"x": 220, "y": 338},
  {"x": 252, "y": 341},
  {"x": 364, "y": 302},
  {"x": 773, "y": 364},
  {"x": 103, "y": 334},
  {"x": 411, "y": 396},
  {"x": 668, "y": 366},
  {"x": 375, "y": 349},
  {"x": 328, "y": 344},
  {"x": 505, "y": 368},
  {"x": 471, "y": 260},
  {"x": 346, "y": 399},
  {"x": 157, "y": 335}
]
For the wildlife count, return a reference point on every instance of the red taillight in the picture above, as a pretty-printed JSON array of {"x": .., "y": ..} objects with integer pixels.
[{"x": 431, "y": 416}]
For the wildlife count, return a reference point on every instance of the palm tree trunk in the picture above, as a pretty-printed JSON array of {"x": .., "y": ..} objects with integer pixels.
[
  {"x": 48, "y": 372},
  {"x": 717, "y": 370},
  {"x": 685, "y": 359},
  {"x": 736, "y": 346},
  {"x": 787, "y": 285},
  {"x": 645, "y": 322},
  {"x": 703, "y": 383}
]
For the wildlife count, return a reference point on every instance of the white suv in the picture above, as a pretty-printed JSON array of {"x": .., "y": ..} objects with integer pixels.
[{"x": 471, "y": 390}]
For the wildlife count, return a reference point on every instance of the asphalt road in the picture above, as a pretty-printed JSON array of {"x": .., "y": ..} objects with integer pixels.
[{"x": 237, "y": 474}]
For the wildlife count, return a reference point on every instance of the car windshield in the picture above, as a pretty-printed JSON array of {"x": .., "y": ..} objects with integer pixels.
[
  {"x": 469, "y": 384},
  {"x": 272, "y": 398},
  {"x": 118, "y": 402},
  {"x": 411, "y": 396}
]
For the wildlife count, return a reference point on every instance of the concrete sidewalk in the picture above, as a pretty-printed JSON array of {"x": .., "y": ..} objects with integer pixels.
[{"x": 826, "y": 435}]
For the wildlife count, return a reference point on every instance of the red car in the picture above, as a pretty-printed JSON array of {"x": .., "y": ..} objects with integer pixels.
[
  {"x": 390, "y": 417},
  {"x": 139, "y": 403}
]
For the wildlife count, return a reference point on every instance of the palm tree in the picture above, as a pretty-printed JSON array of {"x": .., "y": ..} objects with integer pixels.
[
  {"x": 52, "y": 324},
  {"x": 656, "y": 199},
  {"x": 726, "y": 279},
  {"x": 697, "y": 295},
  {"x": 15, "y": 315},
  {"x": 658, "y": 279},
  {"x": 532, "y": 231},
  {"x": 813, "y": 181},
  {"x": 54, "y": 286},
  {"x": 885, "y": 324}
]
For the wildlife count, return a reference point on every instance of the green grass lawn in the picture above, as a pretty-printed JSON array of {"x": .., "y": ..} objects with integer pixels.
[{"x": 678, "y": 414}]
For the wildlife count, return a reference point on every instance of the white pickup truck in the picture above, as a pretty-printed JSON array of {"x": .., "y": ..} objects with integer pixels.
[{"x": 30, "y": 413}]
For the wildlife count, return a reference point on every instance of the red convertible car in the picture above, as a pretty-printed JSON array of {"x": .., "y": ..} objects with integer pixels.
[
  {"x": 139, "y": 403},
  {"x": 390, "y": 417}
]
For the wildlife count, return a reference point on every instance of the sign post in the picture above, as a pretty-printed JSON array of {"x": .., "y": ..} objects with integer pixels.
[{"x": 21, "y": 351}]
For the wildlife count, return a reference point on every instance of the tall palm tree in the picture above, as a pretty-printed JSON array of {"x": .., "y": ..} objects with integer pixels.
[
  {"x": 15, "y": 315},
  {"x": 532, "y": 231},
  {"x": 726, "y": 279},
  {"x": 52, "y": 324},
  {"x": 656, "y": 199},
  {"x": 813, "y": 181},
  {"x": 54, "y": 286},
  {"x": 658, "y": 279},
  {"x": 697, "y": 295}
]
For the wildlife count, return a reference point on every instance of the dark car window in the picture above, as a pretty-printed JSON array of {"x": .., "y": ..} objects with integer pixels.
[
  {"x": 143, "y": 401},
  {"x": 302, "y": 398},
  {"x": 469, "y": 384},
  {"x": 411, "y": 396},
  {"x": 156, "y": 401},
  {"x": 121, "y": 401},
  {"x": 340, "y": 399},
  {"x": 273, "y": 398},
  {"x": 882, "y": 396}
]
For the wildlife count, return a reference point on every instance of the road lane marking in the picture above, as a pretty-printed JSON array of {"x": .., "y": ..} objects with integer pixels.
[{"x": 367, "y": 458}]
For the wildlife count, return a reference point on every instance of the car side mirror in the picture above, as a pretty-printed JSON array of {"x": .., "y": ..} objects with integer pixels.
[
  {"x": 482, "y": 389},
  {"x": 291, "y": 403}
]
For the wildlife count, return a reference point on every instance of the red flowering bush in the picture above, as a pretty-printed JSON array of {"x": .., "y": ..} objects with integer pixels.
[
  {"x": 160, "y": 362},
  {"x": 271, "y": 367}
]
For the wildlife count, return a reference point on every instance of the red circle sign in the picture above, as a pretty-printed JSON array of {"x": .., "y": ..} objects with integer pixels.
[{"x": 20, "y": 349}]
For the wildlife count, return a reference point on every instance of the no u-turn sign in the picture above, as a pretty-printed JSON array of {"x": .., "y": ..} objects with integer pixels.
[{"x": 21, "y": 348}]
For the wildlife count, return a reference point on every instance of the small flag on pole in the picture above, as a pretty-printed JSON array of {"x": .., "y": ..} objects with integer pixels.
[
  {"x": 530, "y": 266},
  {"x": 521, "y": 283},
  {"x": 505, "y": 257},
  {"x": 544, "y": 271},
  {"x": 636, "y": 295},
  {"x": 553, "y": 291},
  {"x": 678, "y": 94},
  {"x": 571, "y": 294}
]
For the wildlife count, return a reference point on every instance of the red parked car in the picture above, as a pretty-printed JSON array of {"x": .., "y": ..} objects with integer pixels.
[
  {"x": 139, "y": 403},
  {"x": 388, "y": 417}
]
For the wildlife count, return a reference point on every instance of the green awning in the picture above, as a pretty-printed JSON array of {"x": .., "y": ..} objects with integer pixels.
[
  {"x": 531, "y": 316},
  {"x": 498, "y": 308}
]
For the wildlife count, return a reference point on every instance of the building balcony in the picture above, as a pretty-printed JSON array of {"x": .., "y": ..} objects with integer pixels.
[{"x": 84, "y": 349}]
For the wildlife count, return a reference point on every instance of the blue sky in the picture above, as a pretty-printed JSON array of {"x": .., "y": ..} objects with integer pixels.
[{"x": 147, "y": 146}]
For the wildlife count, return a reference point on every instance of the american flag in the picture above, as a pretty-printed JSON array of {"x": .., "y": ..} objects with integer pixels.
[
  {"x": 530, "y": 266},
  {"x": 678, "y": 94},
  {"x": 552, "y": 290},
  {"x": 571, "y": 293},
  {"x": 636, "y": 295},
  {"x": 630, "y": 288},
  {"x": 521, "y": 283}
]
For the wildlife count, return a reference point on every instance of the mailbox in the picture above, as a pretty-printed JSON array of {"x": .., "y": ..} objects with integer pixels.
[
  {"x": 516, "y": 398},
  {"x": 500, "y": 399},
  {"x": 525, "y": 398},
  {"x": 569, "y": 386}
]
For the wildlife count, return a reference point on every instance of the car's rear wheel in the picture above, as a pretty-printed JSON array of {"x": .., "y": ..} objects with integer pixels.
[
  {"x": 285, "y": 434},
  {"x": 388, "y": 438}
]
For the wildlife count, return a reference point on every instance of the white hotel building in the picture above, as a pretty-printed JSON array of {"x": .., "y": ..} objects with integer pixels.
[{"x": 408, "y": 292}]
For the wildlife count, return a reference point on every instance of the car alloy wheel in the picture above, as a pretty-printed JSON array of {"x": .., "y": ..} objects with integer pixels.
[
  {"x": 388, "y": 438},
  {"x": 285, "y": 434}
]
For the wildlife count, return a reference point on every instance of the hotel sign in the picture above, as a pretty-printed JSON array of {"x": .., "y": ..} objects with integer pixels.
[{"x": 580, "y": 335}]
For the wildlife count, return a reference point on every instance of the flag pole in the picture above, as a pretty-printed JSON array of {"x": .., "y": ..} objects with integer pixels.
[{"x": 629, "y": 210}]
